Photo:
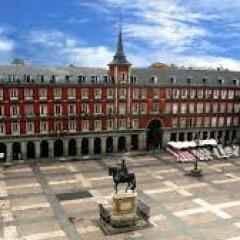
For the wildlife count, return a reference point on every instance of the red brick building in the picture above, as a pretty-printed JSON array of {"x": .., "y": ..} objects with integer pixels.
[{"x": 75, "y": 111}]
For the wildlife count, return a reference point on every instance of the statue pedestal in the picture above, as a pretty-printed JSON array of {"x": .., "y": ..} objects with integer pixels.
[{"x": 124, "y": 209}]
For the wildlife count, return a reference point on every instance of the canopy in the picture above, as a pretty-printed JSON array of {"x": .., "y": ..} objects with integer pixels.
[{"x": 192, "y": 144}]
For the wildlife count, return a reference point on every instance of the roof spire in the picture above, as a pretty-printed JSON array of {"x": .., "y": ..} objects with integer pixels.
[{"x": 119, "y": 57}]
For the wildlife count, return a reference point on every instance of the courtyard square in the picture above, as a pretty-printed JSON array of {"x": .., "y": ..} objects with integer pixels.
[{"x": 59, "y": 200}]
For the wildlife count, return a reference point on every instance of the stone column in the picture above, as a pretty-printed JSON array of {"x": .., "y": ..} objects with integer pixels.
[
  {"x": 65, "y": 147},
  {"x": 8, "y": 152},
  {"x": 91, "y": 146},
  {"x": 128, "y": 143},
  {"x": 79, "y": 146},
  {"x": 37, "y": 150},
  {"x": 51, "y": 149},
  {"x": 24, "y": 150},
  {"x": 115, "y": 144},
  {"x": 165, "y": 138},
  {"x": 142, "y": 140},
  {"x": 103, "y": 145}
]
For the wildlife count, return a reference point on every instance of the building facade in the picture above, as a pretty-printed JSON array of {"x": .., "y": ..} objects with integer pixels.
[{"x": 48, "y": 112}]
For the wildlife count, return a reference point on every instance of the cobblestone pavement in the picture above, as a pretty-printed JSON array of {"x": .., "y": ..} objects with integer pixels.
[{"x": 60, "y": 200}]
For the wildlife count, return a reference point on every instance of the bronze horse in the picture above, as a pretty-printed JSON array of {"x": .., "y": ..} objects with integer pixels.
[{"x": 121, "y": 175}]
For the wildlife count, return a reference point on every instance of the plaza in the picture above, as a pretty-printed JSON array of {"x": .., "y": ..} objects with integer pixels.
[{"x": 59, "y": 200}]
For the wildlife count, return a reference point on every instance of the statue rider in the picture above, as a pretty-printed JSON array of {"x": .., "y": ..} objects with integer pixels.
[{"x": 123, "y": 169}]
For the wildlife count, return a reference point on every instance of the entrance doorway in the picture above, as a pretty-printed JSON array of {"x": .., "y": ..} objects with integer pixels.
[
  {"x": 109, "y": 145},
  {"x": 154, "y": 135},
  {"x": 44, "y": 149},
  {"x": 30, "y": 150},
  {"x": 58, "y": 148},
  {"x": 16, "y": 151}
]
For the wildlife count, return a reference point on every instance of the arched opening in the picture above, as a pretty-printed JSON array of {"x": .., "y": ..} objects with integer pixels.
[
  {"x": 154, "y": 135},
  {"x": 30, "y": 150},
  {"x": 58, "y": 148},
  {"x": 121, "y": 144},
  {"x": 134, "y": 142},
  {"x": 109, "y": 145},
  {"x": 97, "y": 146},
  {"x": 44, "y": 149},
  {"x": 85, "y": 146},
  {"x": 3, "y": 152},
  {"x": 72, "y": 147},
  {"x": 16, "y": 151}
]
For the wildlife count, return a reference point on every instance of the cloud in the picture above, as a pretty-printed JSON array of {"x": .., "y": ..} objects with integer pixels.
[{"x": 6, "y": 44}]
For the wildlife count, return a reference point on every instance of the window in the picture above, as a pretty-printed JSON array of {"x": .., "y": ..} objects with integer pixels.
[
  {"x": 14, "y": 111},
  {"x": 84, "y": 109},
  {"x": 191, "y": 107},
  {"x": 58, "y": 126},
  {"x": 230, "y": 94},
  {"x": 156, "y": 93},
  {"x": 235, "y": 82},
  {"x": 224, "y": 94},
  {"x": 221, "y": 121},
  {"x": 133, "y": 79},
  {"x": 95, "y": 79},
  {"x": 57, "y": 93},
  {"x": 236, "y": 108},
  {"x": 189, "y": 80},
  {"x": 155, "y": 107},
  {"x": 175, "y": 123},
  {"x": 135, "y": 123},
  {"x": 229, "y": 121},
  {"x": 208, "y": 93},
  {"x": 199, "y": 122},
  {"x": 168, "y": 93},
  {"x": 109, "y": 124},
  {"x": 122, "y": 123},
  {"x": 143, "y": 108},
  {"x": 82, "y": 79},
  {"x": 168, "y": 108},
  {"x": 215, "y": 107},
  {"x": 58, "y": 110},
  {"x": 205, "y": 81},
  {"x": 68, "y": 78},
  {"x": 105, "y": 79},
  {"x": 122, "y": 108},
  {"x": 207, "y": 107},
  {"x": 175, "y": 108},
  {"x": 122, "y": 93},
  {"x": 184, "y": 93},
  {"x": 2, "y": 130},
  {"x": 40, "y": 78},
  {"x": 43, "y": 127},
  {"x": 135, "y": 108},
  {"x": 153, "y": 80},
  {"x": 71, "y": 93},
  {"x": 175, "y": 93},
  {"x": 71, "y": 109},
  {"x": 84, "y": 93},
  {"x": 143, "y": 93},
  {"x": 15, "y": 128},
  {"x": 235, "y": 121},
  {"x": 183, "y": 107},
  {"x": 135, "y": 93},
  {"x": 222, "y": 107},
  {"x": 215, "y": 94},
  {"x": 229, "y": 107},
  {"x": 214, "y": 121},
  {"x": 206, "y": 122},
  {"x": 30, "y": 128},
  {"x": 173, "y": 80},
  {"x": 1, "y": 111},
  {"x": 190, "y": 122},
  {"x": 29, "y": 110},
  {"x": 28, "y": 94},
  {"x": 1, "y": 94},
  {"x": 200, "y": 94},
  {"x": 97, "y": 125},
  {"x": 14, "y": 94},
  {"x": 110, "y": 93},
  {"x": 97, "y": 108},
  {"x": 192, "y": 93},
  {"x": 97, "y": 93},
  {"x": 110, "y": 108},
  {"x": 43, "y": 93},
  {"x": 85, "y": 126},
  {"x": 72, "y": 126},
  {"x": 220, "y": 81},
  {"x": 182, "y": 122},
  {"x": 43, "y": 110},
  {"x": 199, "y": 108}
]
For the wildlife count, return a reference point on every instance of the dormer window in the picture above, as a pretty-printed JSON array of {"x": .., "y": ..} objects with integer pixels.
[
  {"x": 133, "y": 79},
  {"x": 27, "y": 78},
  {"x": 173, "y": 80},
  {"x": 81, "y": 79},
  {"x": 220, "y": 81},
  {"x": 153, "y": 80},
  {"x": 204, "y": 81},
  {"x": 40, "y": 78},
  {"x": 105, "y": 79},
  {"x": 189, "y": 80},
  {"x": 53, "y": 79},
  {"x": 95, "y": 79},
  {"x": 68, "y": 78},
  {"x": 235, "y": 82}
]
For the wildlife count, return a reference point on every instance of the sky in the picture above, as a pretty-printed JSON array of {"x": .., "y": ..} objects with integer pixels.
[{"x": 191, "y": 33}]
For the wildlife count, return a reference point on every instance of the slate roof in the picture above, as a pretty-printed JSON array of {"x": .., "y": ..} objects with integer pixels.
[{"x": 164, "y": 76}]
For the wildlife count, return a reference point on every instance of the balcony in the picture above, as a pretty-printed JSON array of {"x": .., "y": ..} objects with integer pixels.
[
  {"x": 29, "y": 98},
  {"x": 43, "y": 98},
  {"x": 14, "y": 98}
]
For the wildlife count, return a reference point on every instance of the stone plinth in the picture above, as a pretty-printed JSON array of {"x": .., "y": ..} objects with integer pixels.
[{"x": 124, "y": 208}]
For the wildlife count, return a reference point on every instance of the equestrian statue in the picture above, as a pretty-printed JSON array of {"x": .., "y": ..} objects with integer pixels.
[{"x": 121, "y": 175}]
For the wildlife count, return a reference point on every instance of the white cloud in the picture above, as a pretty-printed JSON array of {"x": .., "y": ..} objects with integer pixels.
[{"x": 6, "y": 44}]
